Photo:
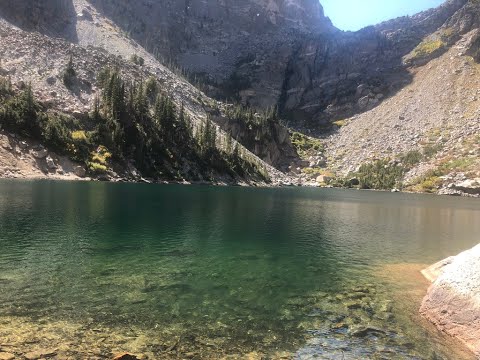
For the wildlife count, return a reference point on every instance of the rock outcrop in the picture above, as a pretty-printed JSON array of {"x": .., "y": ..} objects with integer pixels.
[
  {"x": 453, "y": 300},
  {"x": 52, "y": 17}
]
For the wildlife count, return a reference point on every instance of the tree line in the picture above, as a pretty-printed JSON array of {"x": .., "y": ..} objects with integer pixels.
[{"x": 130, "y": 120}]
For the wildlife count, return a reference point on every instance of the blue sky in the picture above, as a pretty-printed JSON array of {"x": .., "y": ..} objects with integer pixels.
[{"x": 356, "y": 14}]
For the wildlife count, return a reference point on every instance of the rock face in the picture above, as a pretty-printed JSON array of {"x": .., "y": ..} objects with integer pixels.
[
  {"x": 283, "y": 53},
  {"x": 453, "y": 300},
  {"x": 52, "y": 17}
]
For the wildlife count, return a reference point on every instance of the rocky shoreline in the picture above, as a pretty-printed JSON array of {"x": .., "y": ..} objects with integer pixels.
[
  {"x": 452, "y": 302},
  {"x": 29, "y": 160}
]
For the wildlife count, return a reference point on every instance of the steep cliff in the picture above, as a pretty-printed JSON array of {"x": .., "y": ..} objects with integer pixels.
[
  {"x": 279, "y": 53},
  {"x": 234, "y": 49},
  {"x": 282, "y": 53}
]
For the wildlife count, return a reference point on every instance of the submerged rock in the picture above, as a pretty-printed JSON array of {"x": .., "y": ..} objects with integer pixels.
[
  {"x": 40, "y": 354},
  {"x": 125, "y": 356},
  {"x": 6, "y": 356},
  {"x": 453, "y": 300},
  {"x": 362, "y": 331}
]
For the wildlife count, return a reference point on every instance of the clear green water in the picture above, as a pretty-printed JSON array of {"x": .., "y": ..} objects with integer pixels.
[{"x": 218, "y": 271}]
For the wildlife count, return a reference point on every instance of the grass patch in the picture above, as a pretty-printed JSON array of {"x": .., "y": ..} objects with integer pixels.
[
  {"x": 459, "y": 164},
  {"x": 428, "y": 47},
  {"x": 429, "y": 182},
  {"x": 318, "y": 172},
  {"x": 306, "y": 146}
]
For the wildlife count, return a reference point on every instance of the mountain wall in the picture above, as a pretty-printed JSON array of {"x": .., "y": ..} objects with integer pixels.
[{"x": 283, "y": 53}]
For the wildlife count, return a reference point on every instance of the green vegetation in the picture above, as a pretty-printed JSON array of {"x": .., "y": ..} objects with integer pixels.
[
  {"x": 137, "y": 60},
  {"x": 130, "y": 121},
  {"x": 69, "y": 74},
  {"x": 431, "y": 149},
  {"x": 306, "y": 146},
  {"x": 428, "y": 47},
  {"x": 427, "y": 183},
  {"x": 381, "y": 175},
  {"x": 432, "y": 179},
  {"x": 411, "y": 158},
  {"x": 99, "y": 160}
]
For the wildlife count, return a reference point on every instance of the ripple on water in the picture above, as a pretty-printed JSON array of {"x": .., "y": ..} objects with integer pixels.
[{"x": 168, "y": 271}]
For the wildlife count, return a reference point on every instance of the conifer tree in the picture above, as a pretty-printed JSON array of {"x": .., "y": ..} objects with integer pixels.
[
  {"x": 141, "y": 104},
  {"x": 69, "y": 73}
]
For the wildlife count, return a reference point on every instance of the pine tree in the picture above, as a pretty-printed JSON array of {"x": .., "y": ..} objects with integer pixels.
[
  {"x": 141, "y": 104},
  {"x": 158, "y": 111},
  {"x": 69, "y": 73}
]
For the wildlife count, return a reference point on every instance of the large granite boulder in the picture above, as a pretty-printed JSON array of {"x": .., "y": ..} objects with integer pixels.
[{"x": 453, "y": 300}]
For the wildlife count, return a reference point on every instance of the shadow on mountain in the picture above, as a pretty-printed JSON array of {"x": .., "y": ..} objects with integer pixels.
[{"x": 56, "y": 18}]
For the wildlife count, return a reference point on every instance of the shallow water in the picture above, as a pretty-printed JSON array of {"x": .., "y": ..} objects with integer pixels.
[{"x": 204, "y": 272}]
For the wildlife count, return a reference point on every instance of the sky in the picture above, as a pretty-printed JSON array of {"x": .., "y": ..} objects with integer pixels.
[{"x": 356, "y": 14}]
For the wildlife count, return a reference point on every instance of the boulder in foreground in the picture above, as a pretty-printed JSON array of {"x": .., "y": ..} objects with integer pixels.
[{"x": 453, "y": 300}]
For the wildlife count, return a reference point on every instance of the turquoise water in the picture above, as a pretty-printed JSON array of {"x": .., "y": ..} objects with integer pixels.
[{"x": 204, "y": 272}]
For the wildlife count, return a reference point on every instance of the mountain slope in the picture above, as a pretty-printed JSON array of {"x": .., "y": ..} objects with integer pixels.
[
  {"x": 40, "y": 60},
  {"x": 433, "y": 123}
]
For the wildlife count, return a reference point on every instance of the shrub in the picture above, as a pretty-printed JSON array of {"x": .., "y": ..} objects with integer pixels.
[
  {"x": 98, "y": 163},
  {"x": 56, "y": 133},
  {"x": 79, "y": 135},
  {"x": 306, "y": 146},
  {"x": 411, "y": 158},
  {"x": 97, "y": 168},
  {"x": 380, "y": 175},
  {"x": 101, "y": 156},
  {"x": 137, "y": 60},
  {"x": 430, "y": 184},
  {"x": 430, "y": 150}
]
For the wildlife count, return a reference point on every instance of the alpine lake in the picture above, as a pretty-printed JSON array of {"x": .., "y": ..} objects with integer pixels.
[{"x": 89, "y": 270}]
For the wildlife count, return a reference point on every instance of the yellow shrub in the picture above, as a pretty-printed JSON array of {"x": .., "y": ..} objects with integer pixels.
[{"x": 79, "y": 135}]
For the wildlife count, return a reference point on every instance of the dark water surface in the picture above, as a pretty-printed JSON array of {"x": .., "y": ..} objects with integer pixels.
[{"x": 217, "y": 271}]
